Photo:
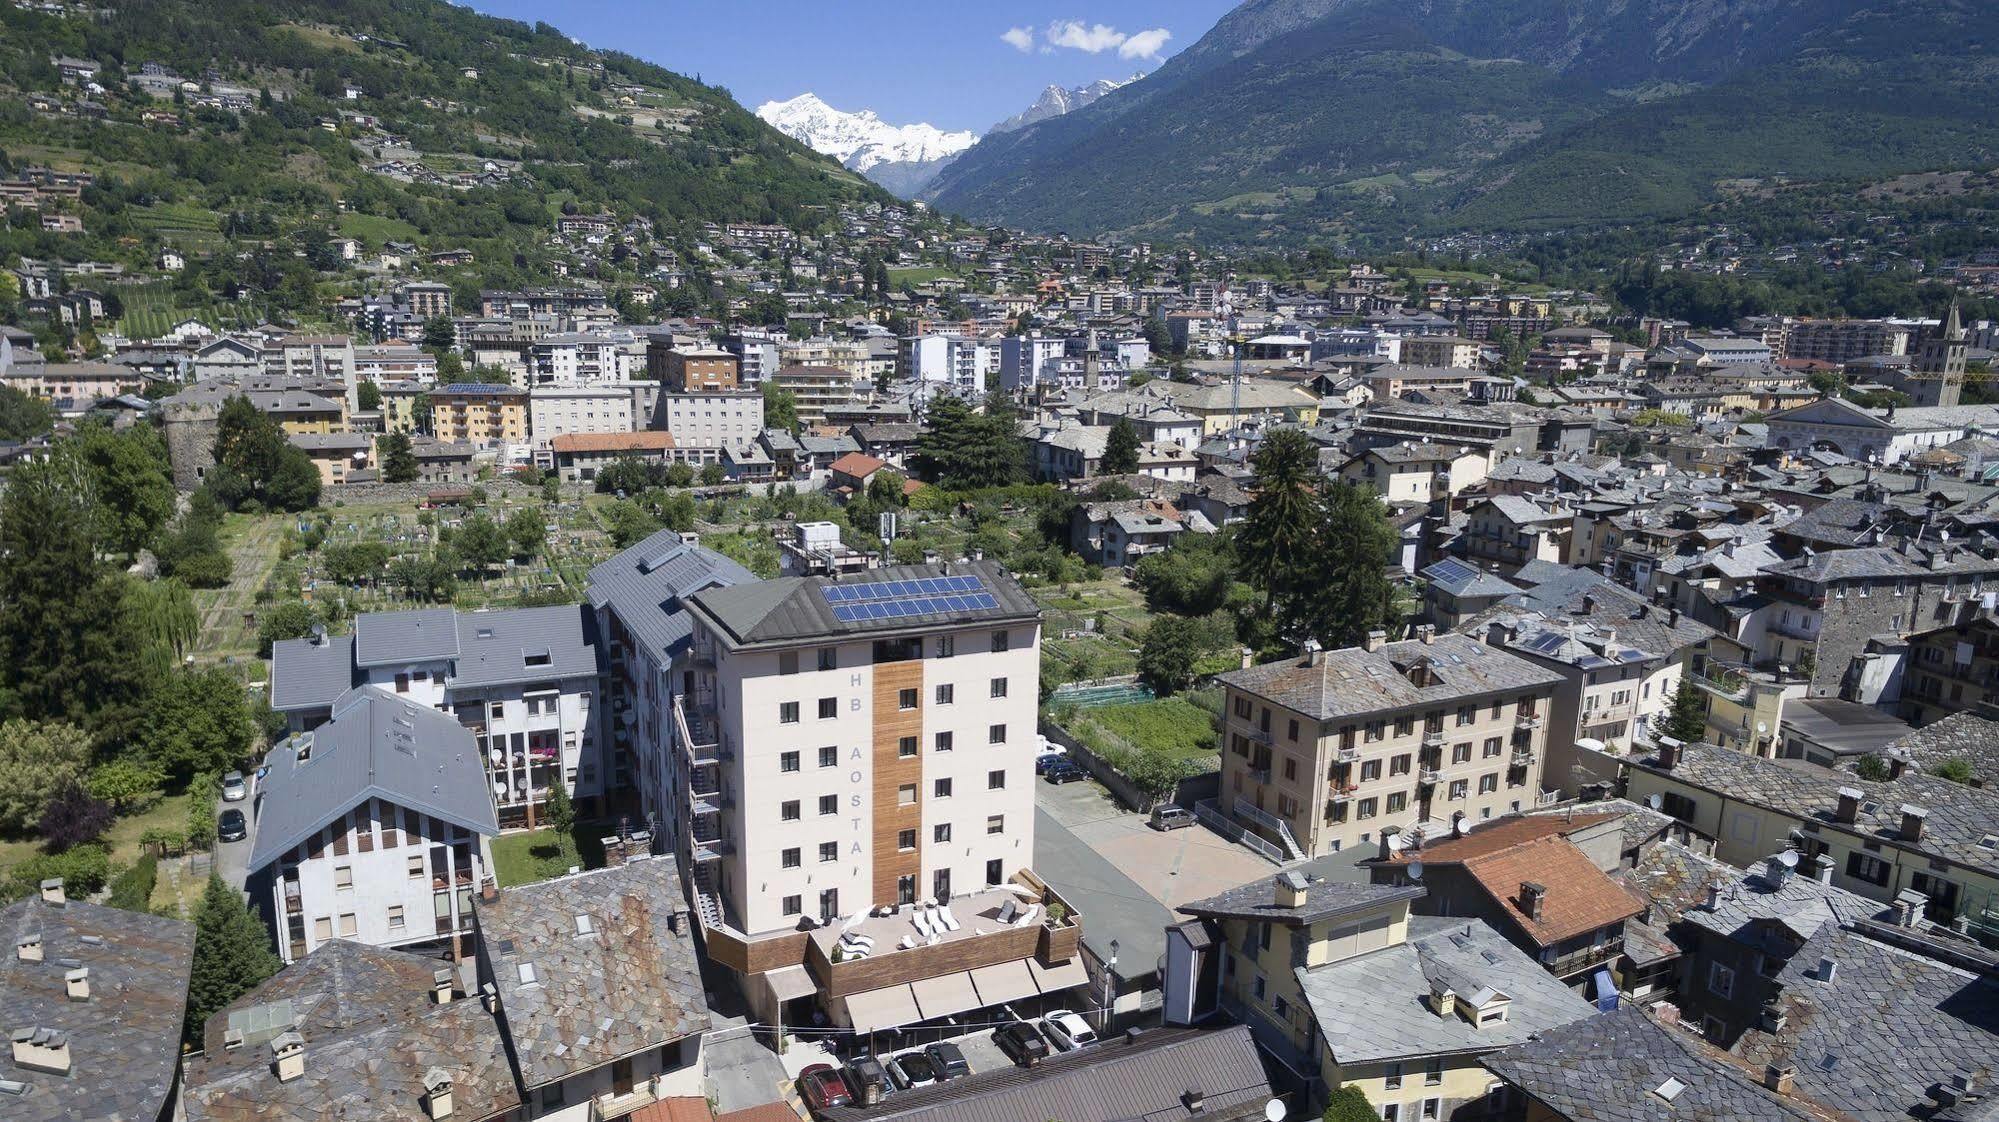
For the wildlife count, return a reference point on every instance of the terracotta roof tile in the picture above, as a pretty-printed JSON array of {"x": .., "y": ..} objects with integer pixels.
[
  {"x": 647, "y": 441},
  {"x": 1579, "y": 898},
  {"x": 1494, "y": 837}
]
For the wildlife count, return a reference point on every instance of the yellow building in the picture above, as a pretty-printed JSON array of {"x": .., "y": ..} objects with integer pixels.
[
  {"x": 1417, "y": 472},
  {"x": 468, "y": 413},
  {"x": 399, "y": 405},
  {"x": 1341, "y": 984}
]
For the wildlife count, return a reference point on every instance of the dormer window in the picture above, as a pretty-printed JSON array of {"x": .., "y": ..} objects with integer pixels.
[{"x": 537, "y": 658}]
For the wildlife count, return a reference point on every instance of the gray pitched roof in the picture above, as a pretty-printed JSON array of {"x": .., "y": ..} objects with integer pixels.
[
  {"x": 372, "y": 1032},
  {"x": 525, "y": 645},
  {"x": 1968, "y": 735},
  {"x": 793, "y": 608},
  {"x": 1323, "y": 899},
  {"x": 1888, "y": 1026},
  {"x": 647, "y": 584},
  {"x": 1354, "y": 682},
  {"x": 124, "y": 1043},
  {"x": 1121, "y": 1079},
  {"x": 376, "y": 745},
  {"x": 510, "y": 646},
  {"x": 399, "y": 638},
  {"x": 575, "y": 999},
  {"x": 1611, "y": 1069},
  {"x": 1372, "y": 1008},
  {"x": 309, "y": 674},
  {"x": 1675, "y": 880}
]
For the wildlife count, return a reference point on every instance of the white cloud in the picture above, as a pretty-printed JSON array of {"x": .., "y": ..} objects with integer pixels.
[
  {"x": 1090, "y": 39},
  {"x": 1019, "y": 38},
  {"x": 1144, "y": 44}
]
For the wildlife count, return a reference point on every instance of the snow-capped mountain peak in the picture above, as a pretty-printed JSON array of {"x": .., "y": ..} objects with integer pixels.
[
  {"x": 1057, "y": 100},
  {"x": 862, "y": 140}
]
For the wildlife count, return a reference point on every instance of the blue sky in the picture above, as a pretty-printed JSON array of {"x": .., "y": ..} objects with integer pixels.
[{"x": 958, "y": 64}]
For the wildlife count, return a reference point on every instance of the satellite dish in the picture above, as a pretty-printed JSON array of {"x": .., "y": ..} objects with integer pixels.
[
  {"x": 1789, "y": 858},
  {"x": 1655, "y": 800},
  {"x": 1273, "y": 1111},
  {"x": 1415, "y": 870}
]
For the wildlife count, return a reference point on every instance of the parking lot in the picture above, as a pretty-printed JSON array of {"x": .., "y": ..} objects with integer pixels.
[{"x": 1172, "y": 866}]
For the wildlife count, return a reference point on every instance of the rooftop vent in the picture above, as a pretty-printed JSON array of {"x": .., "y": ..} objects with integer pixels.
[
  {"x": 28, "y": 948},
  {"x": 1670, "y": 1089},
  {"x": 1828, "y": 971},
  {"x": 288, "y": 1056},
  {"x": 52, "y": 892},
  {"x": 1193, "y": 1098},
  {"x": 42, "y": 1049},
  {"x": 1290, "y": 889},
  {"x": 1779, "y": 1078},
  {"x": 437, "y": 1093},
  {"x": 584, "y": 926},
  {"x": 76, "y": 983},
  {"x": 442, "y": 987},
  {"x": 525, "y": 972}
]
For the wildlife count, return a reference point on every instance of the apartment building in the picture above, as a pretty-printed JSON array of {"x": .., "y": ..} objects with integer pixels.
[
  {"x": 1949, "y": 670},
  {"x": 855, "y": 358},
  {"x": 472, "y": 413},
  {"x": 691, "y": 369},
  {"x": 1451, "y": 352},
  {"x": 578, "y": 358},
  {"x": 427, "y": 299},
  {"x": 1507, "y": 532},
  {"x": 1324, "y": 751},
  {"x": 706, "y": 424},
  {"x": 375, "y": 826},
  {"x": 852, "y": 744},
  {"x": 559, "y": 410},
  {"x": 523, "y": 681},
  {"x": 395, "y": 362},
  {"x": 326, "y": 357},
  {"x": 1417, "y": 472},
  {"x": 816, "y": 389}
]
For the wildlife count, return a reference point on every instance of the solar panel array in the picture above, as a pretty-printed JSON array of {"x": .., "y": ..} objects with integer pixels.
[
  {"x": 1450, "y": 571},
  {"x": 900, "y": 599}
]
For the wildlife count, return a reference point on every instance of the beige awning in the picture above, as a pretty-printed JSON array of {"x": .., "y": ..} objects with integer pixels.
[
  {"x": 1004, "y": 981},
  {"x": 888, "y": 1007},
  {"x": 1063, "y": 976},
  {"x": 945, "y": 994},
  {"x": 788, "y": 983}
]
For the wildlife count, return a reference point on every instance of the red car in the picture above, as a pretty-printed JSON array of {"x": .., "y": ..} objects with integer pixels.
[{"x": 823, "y": 1086}]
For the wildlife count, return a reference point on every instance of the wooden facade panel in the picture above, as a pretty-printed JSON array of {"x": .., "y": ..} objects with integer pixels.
[{"x": 892, "y": 772}]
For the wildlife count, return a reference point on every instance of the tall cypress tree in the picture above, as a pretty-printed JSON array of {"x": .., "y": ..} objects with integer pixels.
[
  {"x": 1120, "y": 449},
  {"x": 232, "y": 956},
  {"x": 1353, "y": 595},
  {"x": 1687, "y": 721},
  {"x": 1280, "y": 541}
]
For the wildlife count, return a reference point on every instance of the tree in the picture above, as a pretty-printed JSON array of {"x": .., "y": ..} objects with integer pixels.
[
  {"x": 527, "y": 531},
  {"x": 23, "y": 416},
  {"x": 163, "y": 622},
  {"x": 561, "y": 814},
  {"x": 132, "y": 480},
  {"x": 256, "y": 466},
  {"x": 37, "y": 761},
  {"x": 1167, "y": 655},
  {"x": 197, "y": 721},
  {"x": 368, "y": 396},
  {"x": 1348, "y": 1103},
  {"x": 1155, "y": 772},
  {"x": 192, "y": 551},
  {"x": 1353, "y": 595},
  {"x": 397, "y": 457},
  {"x": 1687, "y": 720},
  {"x": 73, "y": 818},
  {"x": 232, "y": 956},
  {"x": 1120, "y": 449},
  {"x": 1279, "y": 541},
  {"x": 293, "y": 619},
  {"x": 438, "y": 334},
  {"x": 425, "y": 578},
  {"x": 480, "y": 543},
  {"x": 712, "y": 475},
  {"x": 780, "y": 407},
  {"x": 885, "y": 489},
  {"x": 126, "y": 783},
  {"x": 961, "y": 450},
  {"x": 679, "y": 474},
  {"x": 628, "y": 524},
  {"x": 355, "y": 562}
]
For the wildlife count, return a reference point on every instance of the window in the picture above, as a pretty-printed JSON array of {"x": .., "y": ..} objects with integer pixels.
[
  {"x": 1291, "y": 729},
  {"x": 1458, "y": 788},
  {"x": 1397, "y": 765},
  {"x": 1391, "y": 1112},
  {"x": 1433, "y": 1071},
  {"x": 829, "y": 708},
  {"x": 1467, "y": 714},
  {"x": 943, "y": 742},
  {"x": 1461, "y": 753},
  {"x": 829, "y": 658},
  {"x": 793, "y": 905},
  {"x": 1487, "y": 784},
  {"x": 396, "y": 917},
  {"x": 829, "y": 851},
  {"x": 322, "y": 929},
  {"x": 1432, "y": 1110},
  {"x": 1391, "y": 1077},
  {"x": 905, "y": 889},
  {"x": 995, "y": 780},
  {"x": 787, "y": 713},
  {"x": 995, "y": 871},
  {"x": 1492, "y": 747},
  {"x": 787, "y": 662},
  {"x": 829, "y": 756},
  {"x": 552, "y": 1096},
  {"x": 905, "y": 840},
  {"x": 1290, "y": 767},
  {"x": 791, "y": 858},
  {"x": 1257, "y": 986},
  {"x": 787, "y": 761},
  {"x": 349, "y": 927},
  {"x": 945, "y": 694},
  {"x": 941, "y": 789},
  {"x": 1873, "y": 870},
  {"x": 905, "y": 747},
  {"x": 996, "y": 734},
  {"x": 999, "y": 642},
  {"x": 416, "y": 865},
  {"x": 1366, "y": 808},
  {"x": 1371, "y": 769},
  {"x": 829, "y": 903},
  {"x": 940, "y": 833},
  {"x": 788, "y": 810},
  {"x": 905, "y": 795},
  {"x": 1398, "y": 801},
  {"x": 998, "y": 687},
  {"x": 343, "y": 876},
  {"x": 905, "y": 699},
  {"x": 947, "y": 645},
  {"x": 995, "y": 823},
  {"x": 1280, "y": 1007},
  {"x": 1720, "y": 980}
]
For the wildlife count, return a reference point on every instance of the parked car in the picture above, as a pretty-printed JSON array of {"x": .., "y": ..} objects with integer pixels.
[
  {"x": 870, "y": 1079},
  {"x": 234, "y": 790},
  {"x": 948, "y": 1060},
  {"x": 1022, "y": 1043},
  {"x": 1067, "y": 1030},
  {"x": 231, "y": 827},
  {"x": 1063, "y": 770},
  {"x": 1046, "y": 747},
  {"x": 911, "y": 1069},
  {"x": 1169, "y": 816},
  {"x": 823, "y": 1086}
]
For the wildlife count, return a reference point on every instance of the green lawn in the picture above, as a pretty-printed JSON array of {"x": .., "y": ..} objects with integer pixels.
[
  {"x": 122, "y": 840},
  {"x": 919, "y": 274},
  {"x": 532, "y": 856},
  {"x": 1174, "y": 725},
  {"x": 375, "y": 229}
]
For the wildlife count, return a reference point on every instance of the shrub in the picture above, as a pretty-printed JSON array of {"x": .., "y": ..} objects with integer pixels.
[
  {"x": 73, "y": 818},
  {"x": 1957, "y": 769},
  {"x": 83, "y": 871},
  {"x": 132, "y": 889}
]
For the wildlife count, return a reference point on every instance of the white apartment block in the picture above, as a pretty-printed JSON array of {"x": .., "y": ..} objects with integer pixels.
[
  {"x": 556, "y": 410},
  {"x": 374, "y": 826},
  {"x": 315, "y": 356},
  {"x": 570, "y": 359},
  {"x": 962, "y": 362},
  {"x": 703, "y": 425}
]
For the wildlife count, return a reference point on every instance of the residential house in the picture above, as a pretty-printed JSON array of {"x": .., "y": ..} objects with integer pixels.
[
  {"x": 1416, "y": 472},
  {"x": 579, "y": 456},
  {"x": 1118, "y": 533},
  {"x": 1951, "y": 669},
  {"x": 1508, "y": 532}
]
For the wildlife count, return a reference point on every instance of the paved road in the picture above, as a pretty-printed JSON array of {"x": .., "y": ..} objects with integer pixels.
[
  {"x": 743, "y": 1073},
  {"x": 232, "y": 859}
]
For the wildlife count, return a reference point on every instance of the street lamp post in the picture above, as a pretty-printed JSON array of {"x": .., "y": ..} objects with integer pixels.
[{"x": 1110, "y": 990}]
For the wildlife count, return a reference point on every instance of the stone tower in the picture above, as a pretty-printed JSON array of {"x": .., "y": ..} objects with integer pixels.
[{"x": 1940, "y": 363}]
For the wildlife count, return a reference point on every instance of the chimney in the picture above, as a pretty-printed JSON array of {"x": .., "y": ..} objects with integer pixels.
[
  {"x": 288, "y": 1056},
  {"x": 1775, "y": 872},
  {"x": 1714, "y": 896},
  {"x": 1589, "y": 604},
  {"x": 52, "y": 892},
  {"x": 1248, "y": 658},
  {"x": 489, "y": 997},
  {"x": 1848, "y": 810},
  {"x": 1375, "y": 640},
  {"x": 1909, "y": 906},
  {"x": 1773, "y": 1018},
  {"x": 77, "y": 983},
  {"x": 1532, "y": 897},
  {"x": 1290, "y": 889},
  {"x": 28, "y": 948},
  {"x": 1193, "y": 1098},
  {"x": 1912, "y": 822},
  {"x": 1828, "y": 971},
  {"x": 1779, "y": 1079},
  {"x": 1427, "y": 633},
  {"x": 437, "y": 1093},
  {"x": 442, "y": 985},
  {"x": 1898, "y": 763},
  {"x": 1673, "y": 617},
  {"x": 1668, "y": 753},
  {"x": 1822, "y": 868},
  {"x": 42, "y": 1049},
  {"x": 1314, "y": 653},
  {"x": 1386, "y": 850}
]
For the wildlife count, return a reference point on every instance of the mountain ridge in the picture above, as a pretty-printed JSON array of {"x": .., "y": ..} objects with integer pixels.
[{"x": 1056, "y": 101}]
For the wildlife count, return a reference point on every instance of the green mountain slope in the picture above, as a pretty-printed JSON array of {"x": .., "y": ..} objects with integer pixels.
[
  {"x": 463, "y": 131},
  {"x": 1302, "y": 118}
]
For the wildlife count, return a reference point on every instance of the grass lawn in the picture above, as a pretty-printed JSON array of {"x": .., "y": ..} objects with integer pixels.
[
  {"x": 919, "y": 274},
  {"x": 1171, "y": 724},
  {"x": 122, "y": 839},
  {"x": 531, "y": 856}
]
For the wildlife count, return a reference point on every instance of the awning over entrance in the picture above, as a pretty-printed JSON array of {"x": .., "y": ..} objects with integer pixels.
[
  {"x": 1004, "y": 981},
  {"x": 788, "y": 983},
  {"x": 945, "y": 995},
  {"x": 888, "y": 1007},
  {"x": 1059, "y": 977}
]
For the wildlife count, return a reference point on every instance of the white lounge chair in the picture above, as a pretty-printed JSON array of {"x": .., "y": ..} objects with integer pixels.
[
  {"x": 950, "y": 921},
  {"x": 1027, "y": 920},
  {"x": 908, "y": 941},
  {"x": 922, "y": 924}
]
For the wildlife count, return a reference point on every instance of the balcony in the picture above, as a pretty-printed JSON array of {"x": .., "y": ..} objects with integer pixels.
[
  {"x": 1793, "y": 629},
  {"x": 705, "y": 803},
  {"x": 1343, "y": 792},
  {"x": 712, "y": 849},
  {"x": 1261, "y": 736},
  {"x": 614, "y": 1104},
  {"x": 1527, "y": 722},
  {"x": 1577, "y": 962},
  {"x": 1433, "y": 741},
  {"x": 1259, "y": 775},
  {"x": 1722, "y": 683},
  {"x": 698, "y": 734},
  {"x": 1346, "y": 756},
  {"x": 1522, "y": 757},
  {"x": 1428, "y": 777}
]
